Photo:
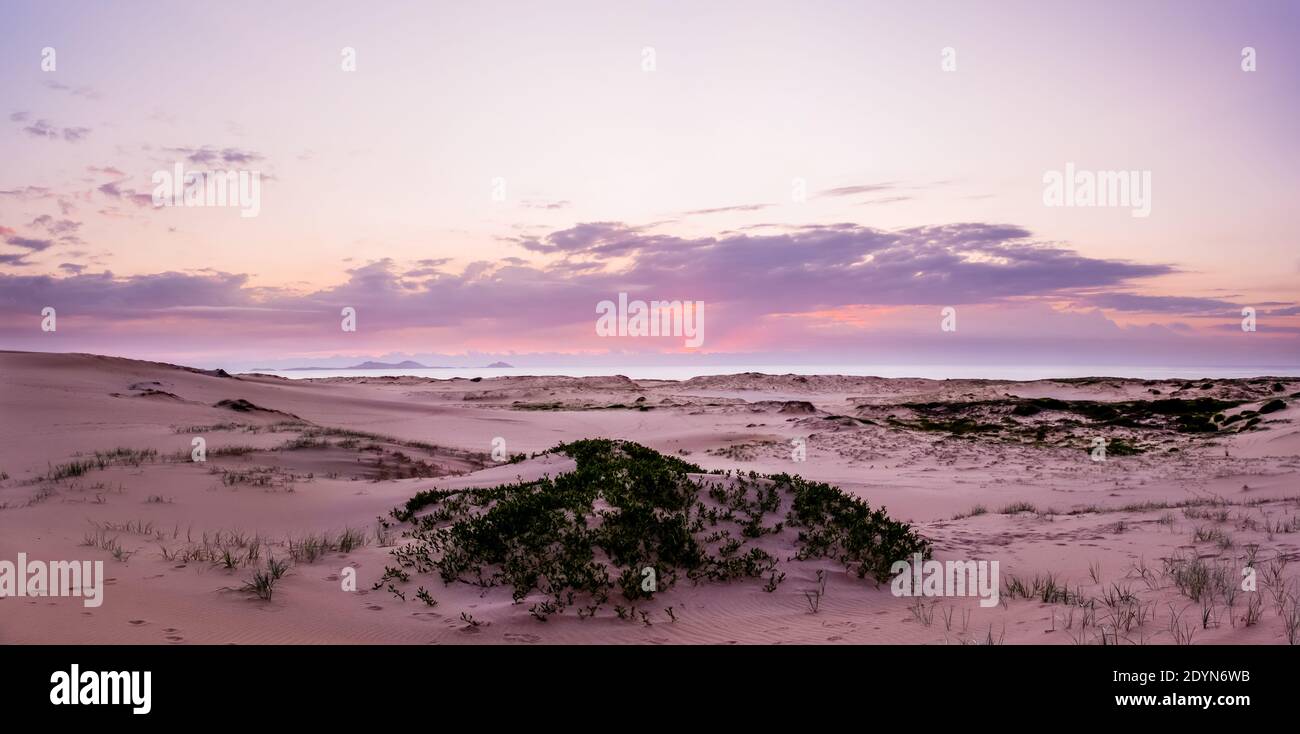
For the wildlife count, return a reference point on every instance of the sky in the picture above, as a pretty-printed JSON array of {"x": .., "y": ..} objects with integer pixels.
[{"x": 826, "y": 177}]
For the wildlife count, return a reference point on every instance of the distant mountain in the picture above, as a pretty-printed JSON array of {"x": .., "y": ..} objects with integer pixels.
[
  {"x": 500, "y": 364},
  {"x": 407, "y": 365}
]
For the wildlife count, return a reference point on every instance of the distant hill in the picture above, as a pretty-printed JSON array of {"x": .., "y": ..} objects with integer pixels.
[
  {"x": 407, "y": 365},
  {"x": 500, "y": 364}
]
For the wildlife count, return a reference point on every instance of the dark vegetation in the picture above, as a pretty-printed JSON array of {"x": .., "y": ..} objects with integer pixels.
[
  {"x": 577, "y": 539},
  {"x": 1131, "y": 426}
]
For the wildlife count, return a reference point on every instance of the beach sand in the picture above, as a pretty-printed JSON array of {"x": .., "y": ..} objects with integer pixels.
[{"x": 1121, "y": 520}]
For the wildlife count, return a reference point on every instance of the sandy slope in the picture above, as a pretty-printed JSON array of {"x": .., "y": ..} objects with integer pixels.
[{"x": 62, "y": 408}]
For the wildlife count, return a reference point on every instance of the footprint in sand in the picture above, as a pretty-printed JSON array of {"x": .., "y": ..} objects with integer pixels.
[
  {"x": 374, "y": 607},
  {"x": 170, "y": 630},
  {"x": 521, "y": 637},
  {"x": 174, "y": 639},
  {"x": 137, "y": 622}
]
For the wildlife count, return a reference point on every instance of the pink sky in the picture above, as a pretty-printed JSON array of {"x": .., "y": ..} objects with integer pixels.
[{"x": 924, "y": 186}]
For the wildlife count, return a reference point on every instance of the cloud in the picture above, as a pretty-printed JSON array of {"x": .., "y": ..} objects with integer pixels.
[
  {"x": 579, "y": 238},
  {"x": 885, "y": 200},
  {"x": 859, "y": 189},
  {"x": 131, "y": 297},
  {"x": 833, "y": 265},
  {"x": 57, "y": 227},
  {"x": 810, "y": 269},
  {"x": 114, "y": 190},
  {"x": 31, "y": 244},
  {"x": 35, "y": 245},
  {"x": 28, "y": 193},
  {"x": 549, "y": 205},
  {"x": 1185, "y": 305},
  {"x": 45, "y": 129},
  {"x": 206, "y": 155},
  {"x": 722, "y": 209},
  {"x": 87, "y": 92},
  {"x": 810, "y": 288}
]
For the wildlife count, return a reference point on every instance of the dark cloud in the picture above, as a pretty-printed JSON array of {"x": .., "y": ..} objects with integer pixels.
[
  {"x": 133, "y": 297},
  {"x": 114, "y": 190},
  {"x": 56, "y": 227},
  {"x": 886, "y": 200},
  {"x": 46, "y": 129},
  {"x": 1187, "y": 305},
  {"x": 28, "y": 193},
  {"x": 747, "y": 277},
  {"x": 722, "y": 209},
  {"x": 35, "y": 245},
  {"x": 859, "y": 189},
  {"x": 112, "y": 171},
  {"x": 579, "y": 238},
  {"x": 207, "y": 155}
]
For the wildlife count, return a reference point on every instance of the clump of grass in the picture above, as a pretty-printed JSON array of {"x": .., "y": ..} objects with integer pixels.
[
  {"x": 814, "y": 595},
  {"x": 1018, "y": 507},
  {"x": 1254, "y": 610},
  {"x": 262, "y": 584},
  {"x": 922, "y": 612},
  {"x": 1290, "y": 613},
  {"x": 101, "y": 540},
  {"x": 350, "y": 540},
  {"x": 303, "y": 442},
  {"x": 314, "y": 546},
  {"x": 1202, "y": 534},
  {"x": 1181, "y": 632},
  {"x": 233, "y": 450},
  {"x": 211, "y": 428},
  {"x": 1046, "y": 588},
  {"x": 309, "y": 548}
]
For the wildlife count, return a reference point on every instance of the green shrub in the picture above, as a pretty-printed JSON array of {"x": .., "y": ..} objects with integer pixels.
[{"x": 584, "y": 535}]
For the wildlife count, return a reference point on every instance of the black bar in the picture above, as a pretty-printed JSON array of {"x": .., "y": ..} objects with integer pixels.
[{"x": 333, "y": 683}]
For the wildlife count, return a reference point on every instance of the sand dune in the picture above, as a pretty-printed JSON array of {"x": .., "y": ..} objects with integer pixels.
[{"x": 293, "y": 459}]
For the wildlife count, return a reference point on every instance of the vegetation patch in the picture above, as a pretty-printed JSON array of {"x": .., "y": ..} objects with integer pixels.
[{"x": 628, "y": 515}]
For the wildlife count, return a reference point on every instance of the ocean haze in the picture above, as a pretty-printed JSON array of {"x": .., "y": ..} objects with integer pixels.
[{"x": 932, "y": 372}]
